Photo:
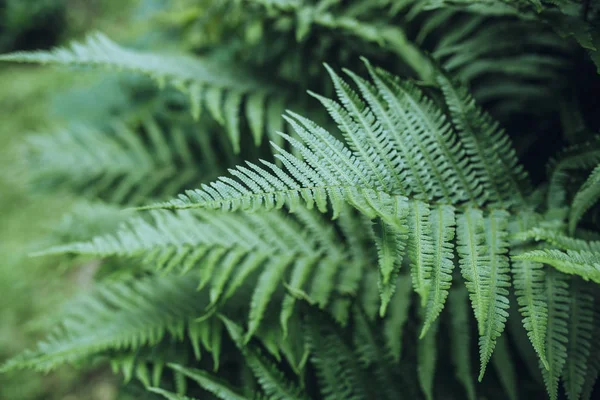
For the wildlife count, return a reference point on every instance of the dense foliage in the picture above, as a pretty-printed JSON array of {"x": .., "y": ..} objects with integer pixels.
[{"x": 288, "y": 199}]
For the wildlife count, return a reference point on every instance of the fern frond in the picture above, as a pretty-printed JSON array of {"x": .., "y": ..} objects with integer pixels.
[
  {"x": 493, "y": 159},
  {"x": 115, "y": 164},
  {"x": 580, "y": 328},
  {"x": 580, "y": 156},
  {"x": 338, "y": 372},
  {"x": 372, "y": 356},
  {"x": 390, "y": 249},
  {"x": 226, "y": 248},
  {"x": 169, "y": 395},
  {"x": 473, "y": 261},
  {"x": 496, "y": 289},
  {"x": 400, "y": 126},
  {"x": 210, "y": 383},
  {"x": 557, "y": 295},
  {"x": 121, "y": 315},
  {"x": 586, "y": 197},
  {"x": 529, "y": 280},
  {"x": 559, "y": 240},
  {"x": 420, "y": 248},
  {"x": 442, "y": 221},
  {"x": 585, "y": 264},
  {"x": 220, "y": 87},
  {"x": 271, "y": 379}
]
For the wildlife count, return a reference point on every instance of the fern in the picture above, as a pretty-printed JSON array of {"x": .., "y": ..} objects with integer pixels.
[
  {"x": 218, "y": 87},
  {"x": 583, "y": 263},
  {"x": 557, "y": 336},
  {"x": 581, "y": 317},
  {"x": 587, "y": 195},
  {"x": 118, "y": 316}
]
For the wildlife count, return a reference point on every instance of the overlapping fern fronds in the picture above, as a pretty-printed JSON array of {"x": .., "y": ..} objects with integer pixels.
[{"x": 219, "y": 89}]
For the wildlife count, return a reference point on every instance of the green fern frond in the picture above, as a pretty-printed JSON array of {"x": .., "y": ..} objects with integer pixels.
[
  {"x": 587, "y": 196},
  {"x": 496, "y": 287},
  {"x": 221, "y": 88},
  {"x": 372, "y": 356},
  {"x": 585, "y": 264},
  {"x": 557, "y": 297},
  {"x": 338, "y": 372},
  {"x": 390, "y": 249},
  {"x": 226, "y": 249},
  {"x": 328, "y": 171},
  {"x": 474, "y": 264},
  {"x": 169, "y": 395},
  {"x": 580, "y": 327},
  {"x": 559, "y": 240},
  {"x": 442, "y": 221},
  {"x": 579, "y": 156},
  {"x": 116, "y": 164},
  {"x": 493, "y": 159},
  {"x": 210, "y": 383},
  {"x": 120, "y": 315},
  {"x": 271, "y": 379}
]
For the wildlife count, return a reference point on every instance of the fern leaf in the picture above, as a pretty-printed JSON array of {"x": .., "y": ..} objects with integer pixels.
[
  {"x": 494, "y": 162},
  {"x": 219, "y": 86},
  {"x": 559, "y": 240},
  {"x": 168, "y": 395},
  {"x": 557, "y": 295},
  {"x": 473, "y": 260},
  {"x": 372, "y": 357},
  {"x": 580, "y": 156},
  {"x": 300, "y": 274},
  {"x": 212, "y": 384},
  {"x": 529, "y": 280},
  {"x": 114, "y": 164},
  {"x": 497, "y": 289},
  {"x": 587, "y": 196},
  {"x": 266, "y": 285},
  {"x": 399, "y": 128},
  {"x": 337, "y": 369},
  {"x": 442, "y": 223},
  {"x": 420, "y": 248},
  {"x": 117, "y": 316},
  {"x": 390, "y": 248},
  {"x": 585, "y": 264},
  {"x": 271, "y": 379},
  {"x": 461, "y": 340},
  {"x": 580, "y": 328}
]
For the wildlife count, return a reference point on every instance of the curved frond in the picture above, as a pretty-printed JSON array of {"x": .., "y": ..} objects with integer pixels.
[
  {"x": 587, "y": 196},
  {"x": 120, "y": 315},
  {"x": 580, "y": 327},
  {"x": 121, "y": 165},
  {"x": 210, "y": 383},
  {"x": 557, "y": 297},
  {"x": 585, "y": 264},
  {"x": 220, "y": 87}
]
